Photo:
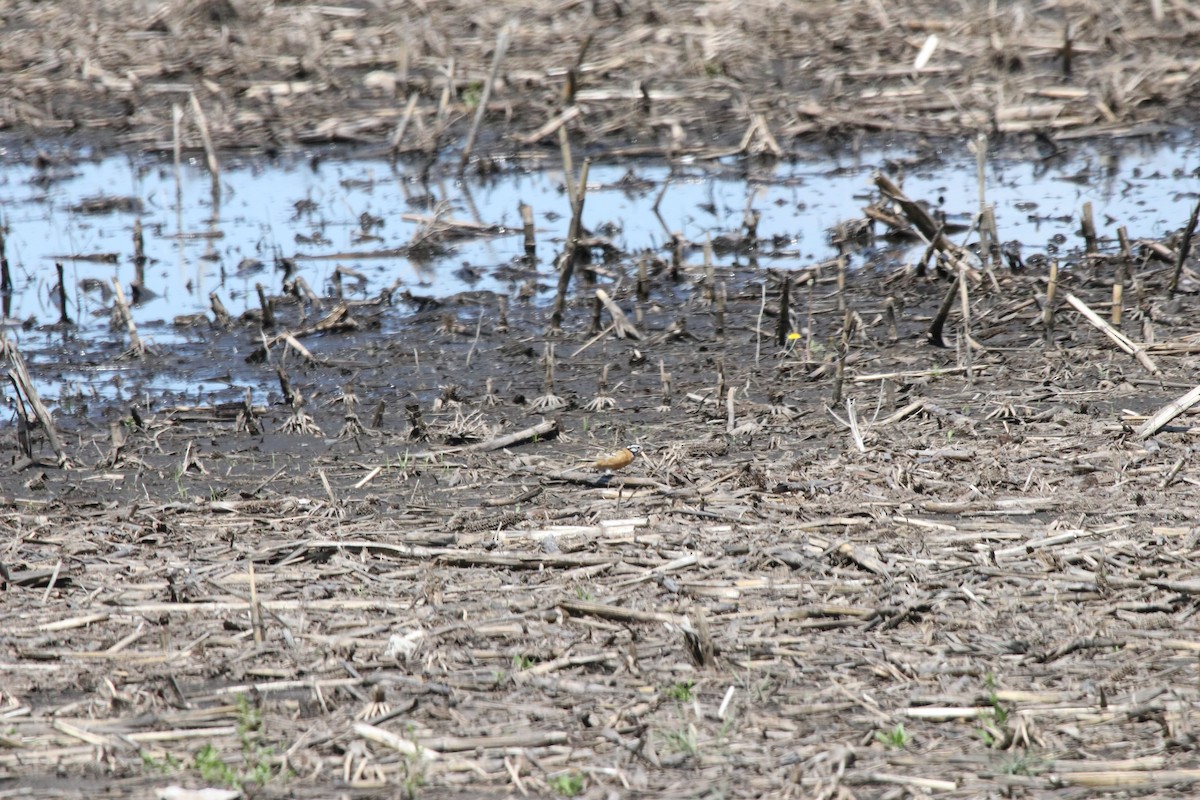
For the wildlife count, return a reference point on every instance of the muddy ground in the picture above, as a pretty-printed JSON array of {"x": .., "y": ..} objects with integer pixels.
[{"x": 369, "y": 591}]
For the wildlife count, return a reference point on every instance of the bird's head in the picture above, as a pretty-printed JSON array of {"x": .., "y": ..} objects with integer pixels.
[{"x": 634, "y": 448}]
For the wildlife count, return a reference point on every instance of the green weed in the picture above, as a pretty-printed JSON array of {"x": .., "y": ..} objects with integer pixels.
[
  {"x": 168, "y": 763},
  {"x": 681, "y": 691},
  {"x": 256, "y": 758},
  {"x": 1023, "y": 764},
  {"x": 212, "y": 767},
  {"x": 472, "y": 93},
  {"x": 568, "y": 784},
  {"x": 897, "y": 738},
  {"x": 993, "y": 730}
]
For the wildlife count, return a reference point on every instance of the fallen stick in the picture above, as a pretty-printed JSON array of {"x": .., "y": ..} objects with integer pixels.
[
  {"x": 902, "y": 414},
  {"x": 1168, "y": 412},
  {"x": 522, "y": 739},
  {"x": 548, "y": 428},
  {"x": 18, "y": 373},
  {"x": 593, "y": 340},
  {"x": 917, "y": 215},
  {"x": 550, "y": 127},
  {"x": 1120, "y": 779},
  {"x": 622, "y": 327},
  {"x": 1122, "y": 341},
  {"x": 909, "y": 375},
  {"x": 336, "y": 321},
  {"x": 399, "y": 743},
  {"x": 583, "y": 608},
  {"x": 294, "y": 343}
]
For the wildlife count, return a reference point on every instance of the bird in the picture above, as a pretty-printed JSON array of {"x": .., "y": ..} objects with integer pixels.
[{"x": 617, "y": 460}]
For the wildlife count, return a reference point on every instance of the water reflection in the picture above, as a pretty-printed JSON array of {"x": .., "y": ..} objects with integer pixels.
[{"x": 366, "y": 224}]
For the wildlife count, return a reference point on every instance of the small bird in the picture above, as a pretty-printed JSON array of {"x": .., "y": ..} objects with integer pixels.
[{"x": 619, "y": 460}]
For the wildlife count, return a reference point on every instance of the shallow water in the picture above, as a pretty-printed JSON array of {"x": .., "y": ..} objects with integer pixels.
[{"x": 312, "y": 209}]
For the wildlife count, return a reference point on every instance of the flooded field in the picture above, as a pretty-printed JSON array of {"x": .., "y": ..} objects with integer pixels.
[
  {"x": 368, "y": 450},
  {"x": 356, "y": 227}
]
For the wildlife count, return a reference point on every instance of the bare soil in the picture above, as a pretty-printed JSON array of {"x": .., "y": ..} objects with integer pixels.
[{"x": 370, "y": 592}]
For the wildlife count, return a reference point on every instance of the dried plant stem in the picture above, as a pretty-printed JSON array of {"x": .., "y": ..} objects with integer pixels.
[
  {"x": 443, "y": 108},
  {"x": 136, "y": 347},
  {"x": 992, "y": 253},
  {"x": 758, "y": 331},
  {"x": 841, "y": 283},
  {"x": 783, "y": 325},
  {"x": 267, "y": 307},
  {"x": 989, "y": 239},
  {"x": 1118, "y": 288},
  {"x": 256, "y": 615},
  {"x": 917, "y": 215},
  {"x": 564, "y": 139},
  {"x": 1172, "y": 473},
  {"x": 567, "y": 261},
  {"x": 1087, "y": 227},
  {"x": 139, "y": 257},
  {"x": 1048, "y": 310},
  {"x": 710, "y": 275},
  {"x": 980, "y": 145},
  {"x": 475, "y": 340},
  {"x": 622, "y": 327},
  {"x": 63, "y": 317},
  {"x": 1185, "y": 247},
  {"x": 177, "y": 152},
  {"x": 965, "y": 356},
  {"x": 210, "y": 152},
  {"x": 938, "y": 325},
  {"x": 221, "y": 317},
  {"x": 530, "y": 231},
  {"x": 1121, "y": 340},
  {"x": 402, "y": 128},
  {"x": 722, "y": 300},
  {"x": 6, "y": 284},
  {"x": 597, "y": 313},
  {"x": 852, "y": 424},
  {"x": 503, "y": 39},
  {"x": 1168, "y": 412},
  {"x": 543, "y": 430},
  {"x": 664, "y": 379},
  {"x": 18, "y": 373},
  {"x": 839, "y": 374}
]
